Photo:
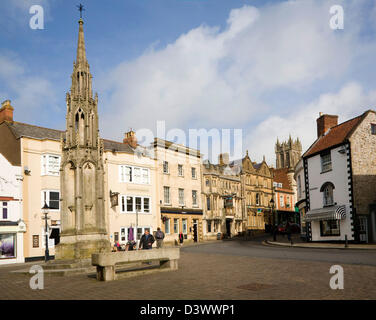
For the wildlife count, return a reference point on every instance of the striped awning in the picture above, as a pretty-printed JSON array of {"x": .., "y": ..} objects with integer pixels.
[{"x": 327, "y": 213}]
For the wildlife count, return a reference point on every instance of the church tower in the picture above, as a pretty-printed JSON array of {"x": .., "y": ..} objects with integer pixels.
[
  {"x": 288, "y": 153},
  {"x": 83, "y": 223}
]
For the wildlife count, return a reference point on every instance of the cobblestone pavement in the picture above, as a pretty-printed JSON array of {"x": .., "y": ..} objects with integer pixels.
[{"x": 204, "y": 275}]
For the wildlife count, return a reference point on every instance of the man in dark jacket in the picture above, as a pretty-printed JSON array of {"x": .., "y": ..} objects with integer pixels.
[{"x": 146, "y": 241}]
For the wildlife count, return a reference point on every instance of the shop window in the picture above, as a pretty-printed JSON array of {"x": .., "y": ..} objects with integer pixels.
[
  {"x": 7, "y": 245},
  {"x": 329, "y": 228}
]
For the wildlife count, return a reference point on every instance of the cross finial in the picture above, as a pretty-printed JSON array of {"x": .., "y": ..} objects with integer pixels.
[{"x": 80, "y": 8}]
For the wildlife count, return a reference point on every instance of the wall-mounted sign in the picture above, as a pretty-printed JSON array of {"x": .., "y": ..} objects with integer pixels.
[{"x": 114, "y": 198}]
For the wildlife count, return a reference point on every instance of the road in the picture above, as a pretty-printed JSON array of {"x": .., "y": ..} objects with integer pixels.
[{"x": 257, "y": 249}]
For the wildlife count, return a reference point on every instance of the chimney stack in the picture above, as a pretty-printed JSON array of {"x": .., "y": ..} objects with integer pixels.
[
  {"x": 325, "y": 122},
  {"x": 223, "y": 159},
  {"x": 6, "y": 111},
  {"x": 130, "y": 138}
]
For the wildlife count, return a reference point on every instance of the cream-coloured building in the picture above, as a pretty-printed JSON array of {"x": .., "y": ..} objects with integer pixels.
[
  {"x": 130, "y": 191},
  {"x": 178, "y": 171}
]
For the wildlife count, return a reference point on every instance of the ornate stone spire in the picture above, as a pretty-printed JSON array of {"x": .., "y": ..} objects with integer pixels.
[{"x": 81, "y": 51}]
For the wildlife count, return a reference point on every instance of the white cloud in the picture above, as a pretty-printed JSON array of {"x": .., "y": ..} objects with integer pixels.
[
  {"x": 212, "y": 77},
  {"x": 349, "y": 102},
  {"x": 30, "y": 94}
]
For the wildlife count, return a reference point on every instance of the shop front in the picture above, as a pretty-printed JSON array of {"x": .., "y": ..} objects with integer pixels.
[
  {"x": 329, "y": 224},
  {"x": 11, "y": 242}
]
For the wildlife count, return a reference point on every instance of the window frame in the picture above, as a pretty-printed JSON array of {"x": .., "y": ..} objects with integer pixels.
[
  {"x": 6, "y": 208},
  {"x": 194, "y": 198},
  {"x": 45, "y": 164},
  {"x": 166, "y": 188},
  {"x": 326, "y": 165},
  {"x": 47, "y": 199},
  {"x": 332, "y": 234},
  {"x": 194, "y": 172},
  {"x": 180, "y": 170},
  {"x": 181, "y": 197},
  {"x": 135, "y": 175},
  {"x": 165, "y": 167},
  {"x": 124, "y": 203}
]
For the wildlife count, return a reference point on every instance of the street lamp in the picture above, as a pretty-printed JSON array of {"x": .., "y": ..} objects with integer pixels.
[
  {"x": 274, "y": 226},
  {"x": 45, "y": 218}
]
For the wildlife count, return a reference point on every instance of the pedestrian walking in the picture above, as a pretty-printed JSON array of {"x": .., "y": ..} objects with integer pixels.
[
  {"x": 159, "y": 236},
  {"x": 146, "y": 241},
  {"x": 181, "y": 238}
]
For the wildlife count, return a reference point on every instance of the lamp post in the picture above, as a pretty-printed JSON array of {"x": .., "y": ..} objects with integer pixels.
[
  {"x": 45, "y": 218},
  {"x": 273, "y": 213}
]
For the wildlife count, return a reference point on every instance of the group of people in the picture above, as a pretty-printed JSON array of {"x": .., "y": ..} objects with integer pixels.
[{"x": 146, "y": 241}]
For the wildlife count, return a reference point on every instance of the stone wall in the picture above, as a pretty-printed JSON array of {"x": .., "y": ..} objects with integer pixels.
[{"x": 363, "y": 156}]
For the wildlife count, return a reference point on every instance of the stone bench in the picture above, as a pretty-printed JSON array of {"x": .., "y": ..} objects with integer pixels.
[{"x": 106, "y": 262}]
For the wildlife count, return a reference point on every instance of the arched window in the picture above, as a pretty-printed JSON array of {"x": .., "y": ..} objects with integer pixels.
[{"x": 327, "y": 190}]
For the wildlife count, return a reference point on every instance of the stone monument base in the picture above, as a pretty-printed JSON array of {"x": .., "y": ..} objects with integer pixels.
[{"x": 81, "y": 247}]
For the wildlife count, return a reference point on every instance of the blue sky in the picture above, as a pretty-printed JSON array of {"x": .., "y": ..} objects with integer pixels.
[{"x": 267, "y": 67}]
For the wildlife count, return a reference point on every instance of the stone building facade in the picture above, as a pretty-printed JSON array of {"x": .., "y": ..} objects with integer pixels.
[
  {"x": 222, "y": 200},
  {"x": 178, "y": 183}
]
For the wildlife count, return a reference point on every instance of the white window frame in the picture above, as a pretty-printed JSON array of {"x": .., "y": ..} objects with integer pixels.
[
  {"x": 281, "y": 201},
  {"x": 180, "y": 172},
  {"x": 167, "y": 222},
  {"x": 45, "y": 197},
  {"x": 176, "y": 219},
  {"x": 45, "y": 165},
  {"x": 181, "y": 203},
  {"x": 134, "y": 233},
  {"x": 124, "y": 204},
  {"x": 184, "y": 222},
  {"x": 194, "y": 170},
  {"x": 194, "y": 199},
  {"x": 133, "y": 174},
  {"x": 166, "y": 188}
]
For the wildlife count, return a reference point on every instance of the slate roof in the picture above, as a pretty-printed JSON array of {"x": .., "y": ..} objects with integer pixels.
[
  {"x": 335, "y": 136},
  {"x": 20, "y": 129},
  {"x": 30, "y": 131}
]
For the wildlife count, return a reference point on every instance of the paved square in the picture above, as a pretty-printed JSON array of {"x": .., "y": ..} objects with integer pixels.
[{"x": 223, "y": 270}]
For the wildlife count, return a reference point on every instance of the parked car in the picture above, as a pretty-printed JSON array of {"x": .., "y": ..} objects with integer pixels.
[{"x": 294, "y": 227}]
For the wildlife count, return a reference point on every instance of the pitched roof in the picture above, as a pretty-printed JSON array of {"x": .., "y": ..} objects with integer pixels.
[
  {"x": 335, "y": 136},
  {"x": 280, "y": 176},
  {"x": 20, "y": 129}
]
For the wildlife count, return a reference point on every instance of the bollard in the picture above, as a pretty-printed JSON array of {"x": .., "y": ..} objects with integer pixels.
[{"x": 346, "y": 242}]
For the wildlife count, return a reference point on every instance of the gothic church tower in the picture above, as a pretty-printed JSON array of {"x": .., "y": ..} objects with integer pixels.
[
  {"x": 83, "y": 223},
  {"x": 288, "y": 153}
]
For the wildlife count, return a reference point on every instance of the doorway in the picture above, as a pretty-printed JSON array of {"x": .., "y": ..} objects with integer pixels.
[
  {"x": 195, "y": 238},
  {"x": 228, "y": 228}
]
